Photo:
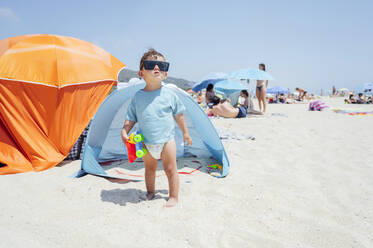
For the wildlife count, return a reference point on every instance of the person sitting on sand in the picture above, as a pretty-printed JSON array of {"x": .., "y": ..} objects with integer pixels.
[
  {"x": 350, "y": 99},
  {"x": 245, "y": 96},
  {"x": 360, "y": 99},
  {"x": 210, "y": 93},
  {"x": 199, "y": 98},
  {"x": 311, "y": 97},
  {"x": 302, "y": 94},
  {"x": 282, "y": 98}
]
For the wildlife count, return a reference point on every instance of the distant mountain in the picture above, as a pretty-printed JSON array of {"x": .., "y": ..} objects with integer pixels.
[{"x": 125, "y": 75}]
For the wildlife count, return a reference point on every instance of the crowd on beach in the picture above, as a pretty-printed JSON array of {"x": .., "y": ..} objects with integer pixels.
[
  {"x": 291, "y": 98},
  {"x": 360, "y": 99},
  {"x": 216, "y": 104},
  {"x": 351, "y": 97},
  {"x": 224, "y": 106}
]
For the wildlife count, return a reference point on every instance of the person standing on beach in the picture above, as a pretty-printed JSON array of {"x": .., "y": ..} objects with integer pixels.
[
  {"x": 155, "y": 109},
  {"x": 261, "y": 89}
]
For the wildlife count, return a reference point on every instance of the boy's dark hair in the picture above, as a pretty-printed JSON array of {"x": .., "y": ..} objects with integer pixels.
[
  {"x": 245, "y": 92},
  {"x": 150, "y": 53},
  {"x": 263, "y": 65}
]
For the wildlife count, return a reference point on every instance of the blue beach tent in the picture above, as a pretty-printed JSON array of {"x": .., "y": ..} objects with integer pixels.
[{"x": 104, "y": 141}]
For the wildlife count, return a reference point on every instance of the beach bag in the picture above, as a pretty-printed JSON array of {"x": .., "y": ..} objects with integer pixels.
[
  {"x": 317, "y": 105},
  {"x": 77, "y": 151}
]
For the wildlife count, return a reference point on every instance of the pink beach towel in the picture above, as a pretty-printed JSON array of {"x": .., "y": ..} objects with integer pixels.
[{"x": 317, "y": 105}]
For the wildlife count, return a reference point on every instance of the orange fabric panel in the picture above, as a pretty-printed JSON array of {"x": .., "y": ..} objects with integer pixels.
[
  {"x": 11, "y": 158},
  {"x": 55, "y": 60},
  {"x": 9, "y": 42},
  {"x": 46, "y": 121}
]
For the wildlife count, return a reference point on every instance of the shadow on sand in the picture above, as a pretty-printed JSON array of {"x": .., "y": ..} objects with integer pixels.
[{"x": 124, "y": 196}]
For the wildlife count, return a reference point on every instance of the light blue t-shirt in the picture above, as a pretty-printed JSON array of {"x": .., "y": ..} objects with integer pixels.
[{"x": 154, "y": 112}]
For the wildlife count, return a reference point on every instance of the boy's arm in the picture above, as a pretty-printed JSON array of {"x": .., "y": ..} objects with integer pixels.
[
  {"x": 179, "y": 118},
  {"x": 128, "y": 125}
]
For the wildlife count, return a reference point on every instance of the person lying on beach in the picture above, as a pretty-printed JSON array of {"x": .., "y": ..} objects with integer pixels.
[
  {"x": 225, "y": 109},
  {"x": 155, "y": 109}
]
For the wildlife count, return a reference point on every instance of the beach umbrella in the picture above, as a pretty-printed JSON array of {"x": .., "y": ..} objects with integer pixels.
[
  {"x": 229, "y": 86},
  {"x": 368, "y": 88},
  {"x": 50, "y": 88},
  {"x": 250, "y": 74},
  {"x": 211, "y": 78},
  {"x": 214, "y": 75},
  {"x": 277, "y": 90}
]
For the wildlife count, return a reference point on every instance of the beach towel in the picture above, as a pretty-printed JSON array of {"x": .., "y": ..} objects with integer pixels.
[{"x": 353, "y": 112}]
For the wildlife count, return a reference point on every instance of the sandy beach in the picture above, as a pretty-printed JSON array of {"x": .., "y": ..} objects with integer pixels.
[{"x": 305, "y": 181}]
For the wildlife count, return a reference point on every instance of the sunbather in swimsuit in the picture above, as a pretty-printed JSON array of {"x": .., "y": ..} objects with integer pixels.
[{"x": 225, "y": 109}]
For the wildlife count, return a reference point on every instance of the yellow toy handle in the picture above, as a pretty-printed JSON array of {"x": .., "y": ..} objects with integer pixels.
[{"x": 130, "y": 139}]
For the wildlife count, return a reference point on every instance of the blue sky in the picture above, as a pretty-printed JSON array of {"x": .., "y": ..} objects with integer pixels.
[{"x": 309, "y": 44}]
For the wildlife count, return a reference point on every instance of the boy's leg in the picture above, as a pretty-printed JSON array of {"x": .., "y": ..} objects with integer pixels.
[
  {"x": 150, "y": 171},
  {"x": 170, "y": 168}
]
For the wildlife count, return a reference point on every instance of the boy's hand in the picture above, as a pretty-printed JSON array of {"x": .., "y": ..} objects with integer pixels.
[
  {"x": 128, "y": 125},
  {"x": 124, "y": 138},
  {"x": 187, "y": 139}
]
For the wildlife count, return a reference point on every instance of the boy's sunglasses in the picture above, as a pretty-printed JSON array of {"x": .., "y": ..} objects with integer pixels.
[{"x": 150, "y": 64}]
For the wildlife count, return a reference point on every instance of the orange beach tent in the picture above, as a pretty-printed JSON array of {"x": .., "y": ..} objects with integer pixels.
[{"x": 50, "y": 88}]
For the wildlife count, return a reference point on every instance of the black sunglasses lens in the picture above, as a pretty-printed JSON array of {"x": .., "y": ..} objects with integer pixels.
[
  {"x": 163, "y": 66},
  {"x": 149, "y": 64}
]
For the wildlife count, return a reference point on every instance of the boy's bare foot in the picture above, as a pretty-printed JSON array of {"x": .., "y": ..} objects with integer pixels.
[
  {"x": 150, "y": 196},
  {"x": 172, "y": 201}
]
